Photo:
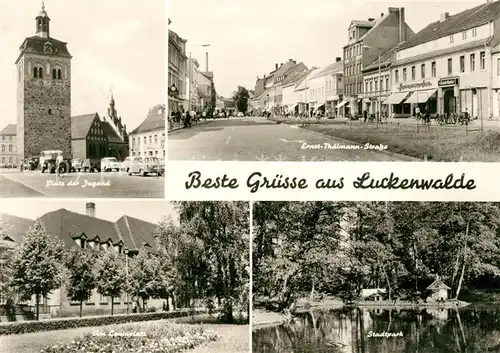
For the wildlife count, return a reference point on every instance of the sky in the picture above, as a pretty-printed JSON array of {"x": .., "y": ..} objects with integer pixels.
[
  {"x": 111, "y": 210},
  {"x": 116, "y": 45},
  {"x": 248, "y": 38}
]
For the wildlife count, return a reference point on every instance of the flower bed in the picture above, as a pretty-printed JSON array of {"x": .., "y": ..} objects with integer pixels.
[
  {"x": 62, "y": 324},
  {"x": 151, "y": 338}
]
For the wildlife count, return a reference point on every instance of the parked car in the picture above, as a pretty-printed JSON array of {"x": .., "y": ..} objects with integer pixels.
[
  {"x": 30, "y": 164},
  {"x": 240, "y": 115},
  {"x": 126, "y": 163},
  {"x": 145, "y": 166},
  {"x": 77, "y": 164},
  {"x": 50, "y": 159},
  {"x": 110, "y": 164}
]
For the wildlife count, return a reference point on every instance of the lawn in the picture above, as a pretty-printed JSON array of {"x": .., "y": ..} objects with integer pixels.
[
  {"x": 440, "y": 144},
  {"x": 232, "y": 338},
  {"x": 9, "y": 188}
]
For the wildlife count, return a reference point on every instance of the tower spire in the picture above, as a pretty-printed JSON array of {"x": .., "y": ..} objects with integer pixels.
[
  {"x": 43, "y": 5},
  {"x": 42, "y": 23}
]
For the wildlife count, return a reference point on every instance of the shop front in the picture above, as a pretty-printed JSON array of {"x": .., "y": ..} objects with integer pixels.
[
  {"x": 449, "y": 96},
  {"x": 407, "y": 97}
]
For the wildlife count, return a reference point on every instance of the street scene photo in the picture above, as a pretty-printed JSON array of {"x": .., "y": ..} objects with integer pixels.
[
  {"x": 113, "y": 276},
  {"x": 367, "y": 277},
  {"x": 82, "y": 114},
  {"x": 334, "y": 81}
]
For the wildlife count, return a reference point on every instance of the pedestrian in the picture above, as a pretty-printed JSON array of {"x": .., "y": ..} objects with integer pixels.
[
  {"x": 187, "y": 120},
  {"x": 417, "y": 112},
  {"x": 365, "y": 115}
]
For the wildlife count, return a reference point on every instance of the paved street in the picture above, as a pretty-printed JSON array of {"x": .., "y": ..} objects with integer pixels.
[
  {"x": 110, "y": 185},
  {"x": 254, "y": 139}
]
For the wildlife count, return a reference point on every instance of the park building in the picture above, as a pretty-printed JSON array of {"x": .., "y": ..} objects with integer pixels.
[
  {"x": 81, "y": 230},
  {"x": 148, "y": 139},
  {"x": 451, "y": 66},
  {"x": 8, "y": 151},
  {"x": 367, "y": 40}
]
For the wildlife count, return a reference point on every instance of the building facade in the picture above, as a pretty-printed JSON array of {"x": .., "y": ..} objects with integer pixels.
[
  {"x": 125, "y": 236},
  {"x": 177, "y": 72},
  {"x": 302, "y": 93},
  {"x": 43, "y": 93},
  {"x": 192, "y": 85},
  {"x": 326, "y": 88},
  {"x": 366, "y": 40},
  {"x": 8, "y": 151},
  {"x": 452, "y": 64},
  {"x": 148, "y": 139}
]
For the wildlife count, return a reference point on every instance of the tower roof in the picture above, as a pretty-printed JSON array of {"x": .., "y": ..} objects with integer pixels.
[{"x": 42, "y": 12}]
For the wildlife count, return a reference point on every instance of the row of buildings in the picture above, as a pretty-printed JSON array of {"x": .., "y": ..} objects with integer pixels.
[
  {"x": 127, "y": 236},
  {"x": 450, "y": 66},
  {"x": 44, "y": 120},
  {"x": 189, "y": 86}
]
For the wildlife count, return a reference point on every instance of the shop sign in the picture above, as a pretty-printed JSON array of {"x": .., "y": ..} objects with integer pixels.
[
  {"x": 414, "y": 86},
  {"x": 451, "y": 81}
]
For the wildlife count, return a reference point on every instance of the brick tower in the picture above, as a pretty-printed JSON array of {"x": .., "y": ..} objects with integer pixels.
[{"x": 43, "y": 93}]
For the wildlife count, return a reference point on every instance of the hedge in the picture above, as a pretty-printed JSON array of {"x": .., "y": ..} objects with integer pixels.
[{"x": 15, "y": 328}]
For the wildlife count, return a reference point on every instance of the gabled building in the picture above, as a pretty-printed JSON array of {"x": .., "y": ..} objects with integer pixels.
[
  {"x": 283, "y": 71},
  {"x": 148, "y": 139},
  {"x": 368, "y": 39},
  {"x": 453, "y": 64},
  {"x": 126, "y": 236},
  {"x": 302, "y": 93},
  {"x": 291, "y": 97},
  {"x": 177, "y": 72}
]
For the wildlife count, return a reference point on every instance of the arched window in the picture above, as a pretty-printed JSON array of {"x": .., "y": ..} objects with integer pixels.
[
  {"x": 3, "y": 160},
  {"x": 40, "y": 72},
  {"x": 54, "y": 74},
  {"x": 10, "y": 148},
  {"x": 35, "y": 72},
  {"x": 59, "y": 74}
]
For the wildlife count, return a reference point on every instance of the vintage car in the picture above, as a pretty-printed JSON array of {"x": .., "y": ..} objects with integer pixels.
[
  {"x": 31, "y": 163},
  {"x": 145, "y": 166},
  {"x": 109, "y": 164},
  {"x": 126, "y": 163},
  {"x": 77, "y": 164},
  {"x": 50, "y": 159},
  {"x": 86, "y": 165}
]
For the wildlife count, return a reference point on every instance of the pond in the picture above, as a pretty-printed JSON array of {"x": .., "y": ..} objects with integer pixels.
[{"x": 364, "y": 330}]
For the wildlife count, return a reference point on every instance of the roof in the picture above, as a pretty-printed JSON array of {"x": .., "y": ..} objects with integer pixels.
[
  {"x": 306, "y": 74},
  {"x": 283, "y": 69},
  {"x": 464, "y": 20},
  {"x": 14, "y": 227},
  {"x": 35, "y": 45},
  {"x": 202, "y": 92},
  {"x": 80, "y": 125},
  {"x": 386, "y": 58},
  {"x": 329, "y": 69},
  {"x": 295, "y": 77},
  {"x": 209, "y": 74},
  {"x": 153, "y": 121},
  {"x": 361, "y": 23},
  {"x": 111, "y": 133},
  {"x": 437, "y": 285},
  {"x": 64, "y": 224},
  {"x": 10, "y": 129}
]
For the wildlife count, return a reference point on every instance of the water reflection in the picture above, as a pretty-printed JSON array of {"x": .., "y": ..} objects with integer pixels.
[{"x": 355, "y": 330}]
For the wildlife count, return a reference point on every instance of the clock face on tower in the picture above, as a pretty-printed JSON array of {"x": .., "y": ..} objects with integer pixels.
[{"x": 47, "y": 47}]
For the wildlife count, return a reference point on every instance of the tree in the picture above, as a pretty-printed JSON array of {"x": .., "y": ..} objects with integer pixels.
[
  {"x": 214, "y": 254},
  {"x": 81, "y": 280},
  {"x": 240, "y": 98},
  {"x": 110, "y": 276},
  {"x": 38, "y": 264},
  {"x": 213, "y": 96},
  {"x": 157, "y": 107}
]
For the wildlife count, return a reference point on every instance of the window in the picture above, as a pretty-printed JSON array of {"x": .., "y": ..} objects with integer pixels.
[
  {"x": 54, "y": 74},
  {"x": 473, "y": 62},
  {"x": 413, "y": 74},
  {"x": 396, "y": 76},
  {"x": 387, "y": 83},
  {"x": 145, "y": 139},
  {"x": 366, "y": 86},
  {"x": 433, "y": 69},
  {"x": 371, "y": 86},
  {"x": 3, "y": 160},
  {"x": 482, "y": 60},
  {"x": 10, "y": 159},
  {"x": 451, "y": 39},
  {"x": 464, "y": 35},
  {"x": 462, "y": 63},
  {"x": 450, "y": 66},
  {"x": 376, "y": 85},
  {"x": 404, "y": 74},
  {"x": 422, "y": 71},
  {"x": 40, "y": 72},
  {"x": 474, "y": 32},
  {"x": 3, "y": 148},
  {"x": 10, "y": 148},
  {"x": 59, "y": 74},
  {"x": 103, "y": 299}
]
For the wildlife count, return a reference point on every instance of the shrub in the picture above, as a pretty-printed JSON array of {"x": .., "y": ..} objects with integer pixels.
[{"x": 62, "y": 324}]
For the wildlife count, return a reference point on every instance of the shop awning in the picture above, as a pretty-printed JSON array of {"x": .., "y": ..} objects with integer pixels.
[
  {"x": 396, "y": 98},
  {"x": 341, "y": 104},
  {"x": 421, "y": 96},
  {"x": 320, "y": 105}
]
